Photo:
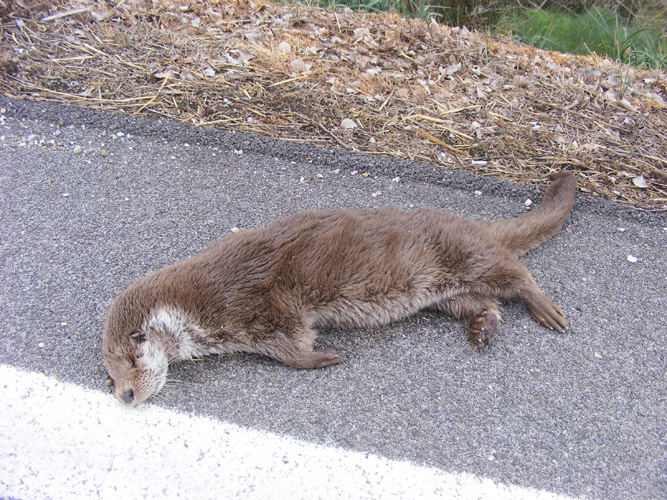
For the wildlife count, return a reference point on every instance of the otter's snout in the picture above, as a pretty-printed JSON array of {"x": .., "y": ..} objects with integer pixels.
[{"x": 127, "y": 397}]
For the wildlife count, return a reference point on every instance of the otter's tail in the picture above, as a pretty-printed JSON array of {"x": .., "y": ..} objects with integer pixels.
[{"x": 530, "y": 230}]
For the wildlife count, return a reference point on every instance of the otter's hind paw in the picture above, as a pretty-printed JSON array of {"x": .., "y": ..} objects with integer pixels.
[{"x": 482, "y": 328}]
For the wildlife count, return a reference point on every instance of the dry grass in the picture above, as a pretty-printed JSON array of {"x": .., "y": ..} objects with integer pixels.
[{"x": 369, "y": 83}]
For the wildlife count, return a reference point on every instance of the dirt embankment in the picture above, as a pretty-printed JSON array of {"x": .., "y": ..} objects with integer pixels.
[{"x": 370, "y": 83}]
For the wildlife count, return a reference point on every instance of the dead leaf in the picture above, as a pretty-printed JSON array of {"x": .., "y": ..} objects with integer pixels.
[
  {"x": 240, "y": 56},
  {"x": 450, "y": 70},
  {"x": 165, "y": 74},
  {"x": 186, "y": 74},
  {"x": 347, "y": 123},
  {"x": 299, "y": 65}
]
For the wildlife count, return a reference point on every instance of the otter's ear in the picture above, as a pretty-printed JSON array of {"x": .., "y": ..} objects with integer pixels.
[{"x": 137, "y": 338}]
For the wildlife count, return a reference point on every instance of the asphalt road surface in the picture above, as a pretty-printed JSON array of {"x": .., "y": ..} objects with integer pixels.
[{"x": 92, "y": 201}]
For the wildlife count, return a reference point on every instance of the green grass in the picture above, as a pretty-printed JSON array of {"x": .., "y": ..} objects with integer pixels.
[
  {"x": 597, "y": 30},
  {"x": 412, "y": 8}
]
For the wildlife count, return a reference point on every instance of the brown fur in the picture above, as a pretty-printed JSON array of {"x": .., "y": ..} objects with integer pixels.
[{"x": 265, "y": 290}]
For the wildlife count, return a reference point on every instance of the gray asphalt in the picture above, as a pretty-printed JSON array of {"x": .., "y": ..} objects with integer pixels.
[{"x": 582, "y": 413}]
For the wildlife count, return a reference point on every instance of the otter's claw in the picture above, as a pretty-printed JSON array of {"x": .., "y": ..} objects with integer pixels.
[{"x": 482, "y": 328}]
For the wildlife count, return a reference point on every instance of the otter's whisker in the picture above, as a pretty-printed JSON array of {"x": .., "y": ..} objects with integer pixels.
[
  {"x": 169, "y": 352},
  {"x": 158, "y": 396}
]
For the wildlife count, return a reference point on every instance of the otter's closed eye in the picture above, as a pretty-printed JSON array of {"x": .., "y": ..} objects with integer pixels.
[{"x": 137, "y": 337}]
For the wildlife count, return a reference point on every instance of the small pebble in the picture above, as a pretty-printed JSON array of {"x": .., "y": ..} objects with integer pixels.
[
  {"x": 478, "y": 193},
  {"x": 319, "y": 176},
  {"x": 376, "y": 194},
  {"x": 528, "y": 203},
  {"x": 77, "y": 149},
  {"x": 104, "y": 153},
  {"x": 632, "y": 259},
  {"x": 235, "y": 229}
]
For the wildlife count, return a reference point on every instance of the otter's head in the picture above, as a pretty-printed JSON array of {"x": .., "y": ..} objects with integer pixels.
[{"x": 133, "y": 355}]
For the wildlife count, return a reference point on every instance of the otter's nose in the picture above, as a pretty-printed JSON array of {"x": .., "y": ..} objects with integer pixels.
[{"x": 128, "y": 397}]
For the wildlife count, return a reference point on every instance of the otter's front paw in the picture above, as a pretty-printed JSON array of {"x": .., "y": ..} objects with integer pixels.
[
  {"x": 546, "y": 313},
  {"x": 481, "y": 329}
]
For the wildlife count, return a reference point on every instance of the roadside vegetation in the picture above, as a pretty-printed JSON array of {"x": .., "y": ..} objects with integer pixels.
[
  {"x": 634, "y": 35},
  {"x": 596, "y": 30},
  {"x": 376, "y": 84}
]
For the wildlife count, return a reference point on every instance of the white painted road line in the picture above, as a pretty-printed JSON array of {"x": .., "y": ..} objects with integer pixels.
[{"x": 59, "y": 440}]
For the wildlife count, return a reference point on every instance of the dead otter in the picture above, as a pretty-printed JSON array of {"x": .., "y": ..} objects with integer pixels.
[{"x": 265, "y": 290}]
